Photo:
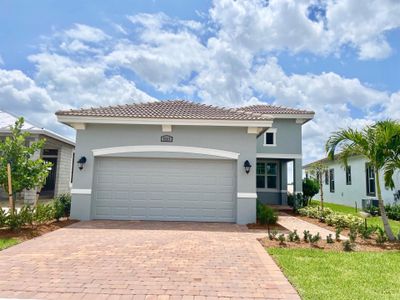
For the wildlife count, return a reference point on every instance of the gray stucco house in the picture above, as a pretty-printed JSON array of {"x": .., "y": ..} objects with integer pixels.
[
  {"x": 58, "y": 150},
  {"x": 183, "y": 161}
]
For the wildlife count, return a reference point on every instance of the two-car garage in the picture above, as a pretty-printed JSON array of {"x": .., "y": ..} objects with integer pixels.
[{"x": 164, "y": 189}]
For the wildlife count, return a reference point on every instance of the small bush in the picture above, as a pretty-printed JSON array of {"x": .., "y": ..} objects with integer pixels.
[
  {"x": 290, "y": 200},
  {"x": 62, "y": 204},
  {"x": 338, "y": 231},
  {"x": 293, "y": 236},
  {"x": 266, "y": 215},
  {"x": 348, "y": 246},
  {"x": 3, "y": 218},
  {"x": 353, "y": 234},
  {"x": 380, "y": 236},
  {"x": 329, "y": 239},
  {"x": 44, "y": 213},
  {"x": 306, "y": 236},
  {"x": 315, "y": 238},
  {"x": 372, "y": 210},
  {"x": 330, "y": 217},
  {"x": 272, "y": 235},
  {"x": 366, "y": 233},
  {"x": 393, "y": 211},
  {"x": 14, "y": 221},
  {"x": 281, "y": 239}
]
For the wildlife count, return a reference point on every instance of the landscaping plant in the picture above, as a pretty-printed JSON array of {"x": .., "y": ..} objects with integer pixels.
[
  {"x": 380, "y": 145},
  {"x": 318, "y": 169},
  {"x": 329, "y": 239},
  {"x": 366, "y": 233},
  {"x": 310, "y": 189},
  {"x": 338, "y": 231},
  {"x": 266, "y": 215},
  {"x": 381, "y": 237},
  {"x": 26, "y": 173},
  {"x": 62, "y": 206},
  {"x": 315, "y": 238},
  {"x": 353, "y": 234},
  {"x": 281, "y": 239},
  {"x": 272, "y": 235},
  {"x": 348, "y": 246},
  {"x": 306, "y": 236}
]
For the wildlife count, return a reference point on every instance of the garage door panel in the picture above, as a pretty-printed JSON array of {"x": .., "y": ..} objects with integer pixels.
[{"x": 164, "y": 189}]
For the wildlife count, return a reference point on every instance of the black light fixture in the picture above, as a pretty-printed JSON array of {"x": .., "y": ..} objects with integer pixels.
[
  {"x": 247, "y": 166},
  {"x": 81, "y": 162}
]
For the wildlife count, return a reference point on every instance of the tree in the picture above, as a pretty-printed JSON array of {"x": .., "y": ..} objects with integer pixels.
[
  {"x": 391, "y": 133},
  {"x": 310, "y": 188},
  {"x": 372, "y": 143},
  {"x": 26, "y": 173},
  {"x": 318, "y": 170}
]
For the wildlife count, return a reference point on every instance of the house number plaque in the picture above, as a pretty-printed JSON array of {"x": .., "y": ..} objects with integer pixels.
[{"x": 167, "y": 138}]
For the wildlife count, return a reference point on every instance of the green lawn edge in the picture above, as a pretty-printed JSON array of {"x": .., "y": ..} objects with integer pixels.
[{"x": 8, "y": 242}]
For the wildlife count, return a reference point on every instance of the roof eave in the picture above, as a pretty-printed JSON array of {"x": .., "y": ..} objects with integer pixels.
[{"x": 71, "y": 120}]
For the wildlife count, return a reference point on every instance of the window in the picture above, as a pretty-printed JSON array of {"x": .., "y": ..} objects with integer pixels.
[
  {"x": 270, "y": 137},
  {"x": 348, "y": 175},
  {"x": 267, "y": 175},
  {"x": 332, "y": 180},
  {"x": 326, "y": 178},
  {"x": 370, "y": 180}
]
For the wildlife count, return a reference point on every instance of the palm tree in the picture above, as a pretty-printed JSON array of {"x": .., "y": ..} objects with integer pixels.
[
  {"x": 372, "y": 143},
  {"x": 392, "y": 135}
]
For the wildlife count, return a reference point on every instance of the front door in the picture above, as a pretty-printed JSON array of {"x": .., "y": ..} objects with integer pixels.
[{"x": 49, "y": 186}]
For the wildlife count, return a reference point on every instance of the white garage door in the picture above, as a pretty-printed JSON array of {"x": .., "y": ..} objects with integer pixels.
[{"x": 164, "y": 189}]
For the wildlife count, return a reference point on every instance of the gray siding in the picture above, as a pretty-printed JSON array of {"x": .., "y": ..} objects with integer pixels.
[
  {"x": 288, "y": 138},
  {"x": 97, "y": 136}
]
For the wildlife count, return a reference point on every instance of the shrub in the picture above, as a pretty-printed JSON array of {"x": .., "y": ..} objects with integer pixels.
[
  {"x": 353, "y": 234},
  {"x": 380, "y": 236},
  {"x": 310, "y": 189},
  {"x": 266, "y": 215},
  {"x": 290, "y": 200},
  {"x": 44, "y": 213},
  {"x": 348, "y": 246},
  {"x": 62, "y": 204},
  {"x": 393, "y": 211},
  {"x": 281, "y": 239},
  {"x": 329, "y": 239},
  {"x": 338, "y": 231},
  {"x": 315, "y": 238},
  {"x": 306, "y": 236},
  {"x": 299, "y": 201},
  {"x": 331, "y": 218},
  {"x": 372, "y": 210},
  {"x": 3, "y": 218},
  {"x": 366, "y": 233},
  {"x": 293, "y": 236},
  {"x": 14, "y": 221},
  {"x": 272, "y": 235},
  {"x": 26, "y": 215}
]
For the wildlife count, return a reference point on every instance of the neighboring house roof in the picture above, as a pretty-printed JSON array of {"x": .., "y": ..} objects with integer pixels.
[
  {"x": 180, "y": 110},
  {"x": 7, "y": 119},
  {"x": 327, "y": 160},
  {"x": 275, "y": 110}
]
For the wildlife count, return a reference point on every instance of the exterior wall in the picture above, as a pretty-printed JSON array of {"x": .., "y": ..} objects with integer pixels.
[
  {"x": 288, "y": 138},
  {"x": 64, "y": 168},
  {"x": 288, "y": 148},
  {"x": 354, "y": 193},
  {"x": 98, "y": 136}
]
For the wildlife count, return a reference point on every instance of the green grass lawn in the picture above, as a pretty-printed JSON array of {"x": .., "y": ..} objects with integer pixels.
[
  {"x": 377, "y": 221},
  {"x": 340, "y": 275},
  {"x": 8, "y": 242}
]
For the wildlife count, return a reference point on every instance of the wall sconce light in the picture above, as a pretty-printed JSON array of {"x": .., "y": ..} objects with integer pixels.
[
  {"x": 81, "y": 162},
  {"x": 247, "y": 166}
]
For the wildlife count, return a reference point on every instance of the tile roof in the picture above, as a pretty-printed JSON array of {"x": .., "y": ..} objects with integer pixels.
[
  {"x": 182, "y": 109},
  {"x": 274, "y": 110}
]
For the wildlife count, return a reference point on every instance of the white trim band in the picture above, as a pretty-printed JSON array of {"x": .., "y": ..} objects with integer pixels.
[
  {"x": 247, "y": 195},
  {"x": 279, "y": 155},
  {"x": 81, "y": 191},
  {"x": 159, "y": 148}
]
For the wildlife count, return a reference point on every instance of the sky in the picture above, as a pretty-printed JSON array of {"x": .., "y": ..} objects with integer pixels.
[{"x": 339, "y": 58}]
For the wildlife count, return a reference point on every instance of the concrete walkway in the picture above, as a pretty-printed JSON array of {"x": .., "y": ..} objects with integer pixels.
[{"x": 292, "y": 223}]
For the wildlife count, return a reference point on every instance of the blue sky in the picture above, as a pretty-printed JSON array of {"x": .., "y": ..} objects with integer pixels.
[{"x": 339, "y": 58}]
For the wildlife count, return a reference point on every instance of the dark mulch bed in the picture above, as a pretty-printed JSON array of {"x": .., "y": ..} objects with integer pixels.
[{"x": 28, "y": 232}]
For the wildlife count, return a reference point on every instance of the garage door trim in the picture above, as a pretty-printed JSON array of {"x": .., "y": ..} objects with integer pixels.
[{"x": 166, "y": 148}]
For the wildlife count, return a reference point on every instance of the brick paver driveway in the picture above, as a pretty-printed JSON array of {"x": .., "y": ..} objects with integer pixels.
[{"x": 143, "y": 260}]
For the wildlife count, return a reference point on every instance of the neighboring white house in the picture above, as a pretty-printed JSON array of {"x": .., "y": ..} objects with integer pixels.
[
  {"x": 58, "y": 150},
  {"x": 351, "y": 185}
]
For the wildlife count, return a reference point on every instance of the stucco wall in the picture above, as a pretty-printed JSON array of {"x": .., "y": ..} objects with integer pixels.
[
  {"x": 350, "y": 194},
  {"x": 97, "y": 136},
  {"x": 288, "y": 138}
]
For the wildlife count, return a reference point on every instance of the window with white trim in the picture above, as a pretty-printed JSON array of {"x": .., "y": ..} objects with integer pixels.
[
  {"x": 370, "y": 180},
  {"x": 270, "y": 137},
  {"x": 348, "y": 175},
  {"x": 267, "y": 175},
  {"x": 332, "y": 180}
]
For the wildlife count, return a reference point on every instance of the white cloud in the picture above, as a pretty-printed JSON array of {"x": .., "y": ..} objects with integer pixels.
[
  {"x": 86, "y": 33},
  {"x": 80, "y": 84},
  {"x": 287, "y": 25}
]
